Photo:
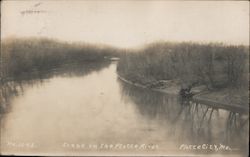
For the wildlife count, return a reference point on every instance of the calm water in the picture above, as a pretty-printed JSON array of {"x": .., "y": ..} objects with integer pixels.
[{"x": 90, "y": 111}]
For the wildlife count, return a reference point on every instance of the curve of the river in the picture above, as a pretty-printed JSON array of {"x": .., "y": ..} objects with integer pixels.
[{"x": 97, "y": 113}]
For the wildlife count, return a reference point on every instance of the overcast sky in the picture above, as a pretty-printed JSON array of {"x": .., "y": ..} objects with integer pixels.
[{"x": 128, "y": 23}]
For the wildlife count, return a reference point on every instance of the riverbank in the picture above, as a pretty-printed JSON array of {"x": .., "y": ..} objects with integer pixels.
[
  {"x": 235, "y": 100},
  {"x": 216, "y": 73},
  {"x": 171, "y": 88},
  {"x": 26, "y": 55}
]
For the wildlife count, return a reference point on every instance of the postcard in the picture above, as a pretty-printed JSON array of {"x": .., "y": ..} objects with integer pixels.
[{"x": 124, "y": 78}]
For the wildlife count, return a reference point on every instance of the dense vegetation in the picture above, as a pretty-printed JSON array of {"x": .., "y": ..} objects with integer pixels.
[
  {"x": 213, "y": 65},
  {"x": 21, "y": 56},
  {"x": 26, "y": 59}
]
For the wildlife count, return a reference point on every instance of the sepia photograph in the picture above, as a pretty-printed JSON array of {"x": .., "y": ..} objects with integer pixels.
[{"x": 124, "y": 78}]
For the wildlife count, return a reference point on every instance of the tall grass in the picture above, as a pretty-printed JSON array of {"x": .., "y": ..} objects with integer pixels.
[
  {"x": 25, "y": 55},
  {"x": 214, "y": 65}
]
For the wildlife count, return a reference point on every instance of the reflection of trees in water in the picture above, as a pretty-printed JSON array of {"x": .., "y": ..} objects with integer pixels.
[
  {"x": 7, "y": 91},
  {"x": 149, "y": 104},
  {"x": 66, "y": 70},
  {"x": 14, "y": 86},
  {"x": 190, "y": 122},
  {"x": 237, "y": 129}
]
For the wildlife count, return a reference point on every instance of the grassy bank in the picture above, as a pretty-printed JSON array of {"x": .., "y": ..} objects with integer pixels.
[
  {"x": 21, "y": 56},
  {"x": 214, "y": 66}
]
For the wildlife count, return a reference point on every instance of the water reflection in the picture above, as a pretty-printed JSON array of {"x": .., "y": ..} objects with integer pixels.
[
  {"x": 14, "y": 86},
  {"x": 190, "y": 123},
  {"x": 88, "y": 104}
]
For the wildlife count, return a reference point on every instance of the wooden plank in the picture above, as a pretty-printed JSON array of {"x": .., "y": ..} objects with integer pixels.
[{"x": 220, "y": 105}]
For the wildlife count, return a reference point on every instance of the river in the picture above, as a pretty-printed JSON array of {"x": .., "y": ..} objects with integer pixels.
[{"x": 90, "y": 113}]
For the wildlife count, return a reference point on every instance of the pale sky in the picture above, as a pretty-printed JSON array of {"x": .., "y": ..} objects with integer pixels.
[{"x": 127, "y": 23}]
